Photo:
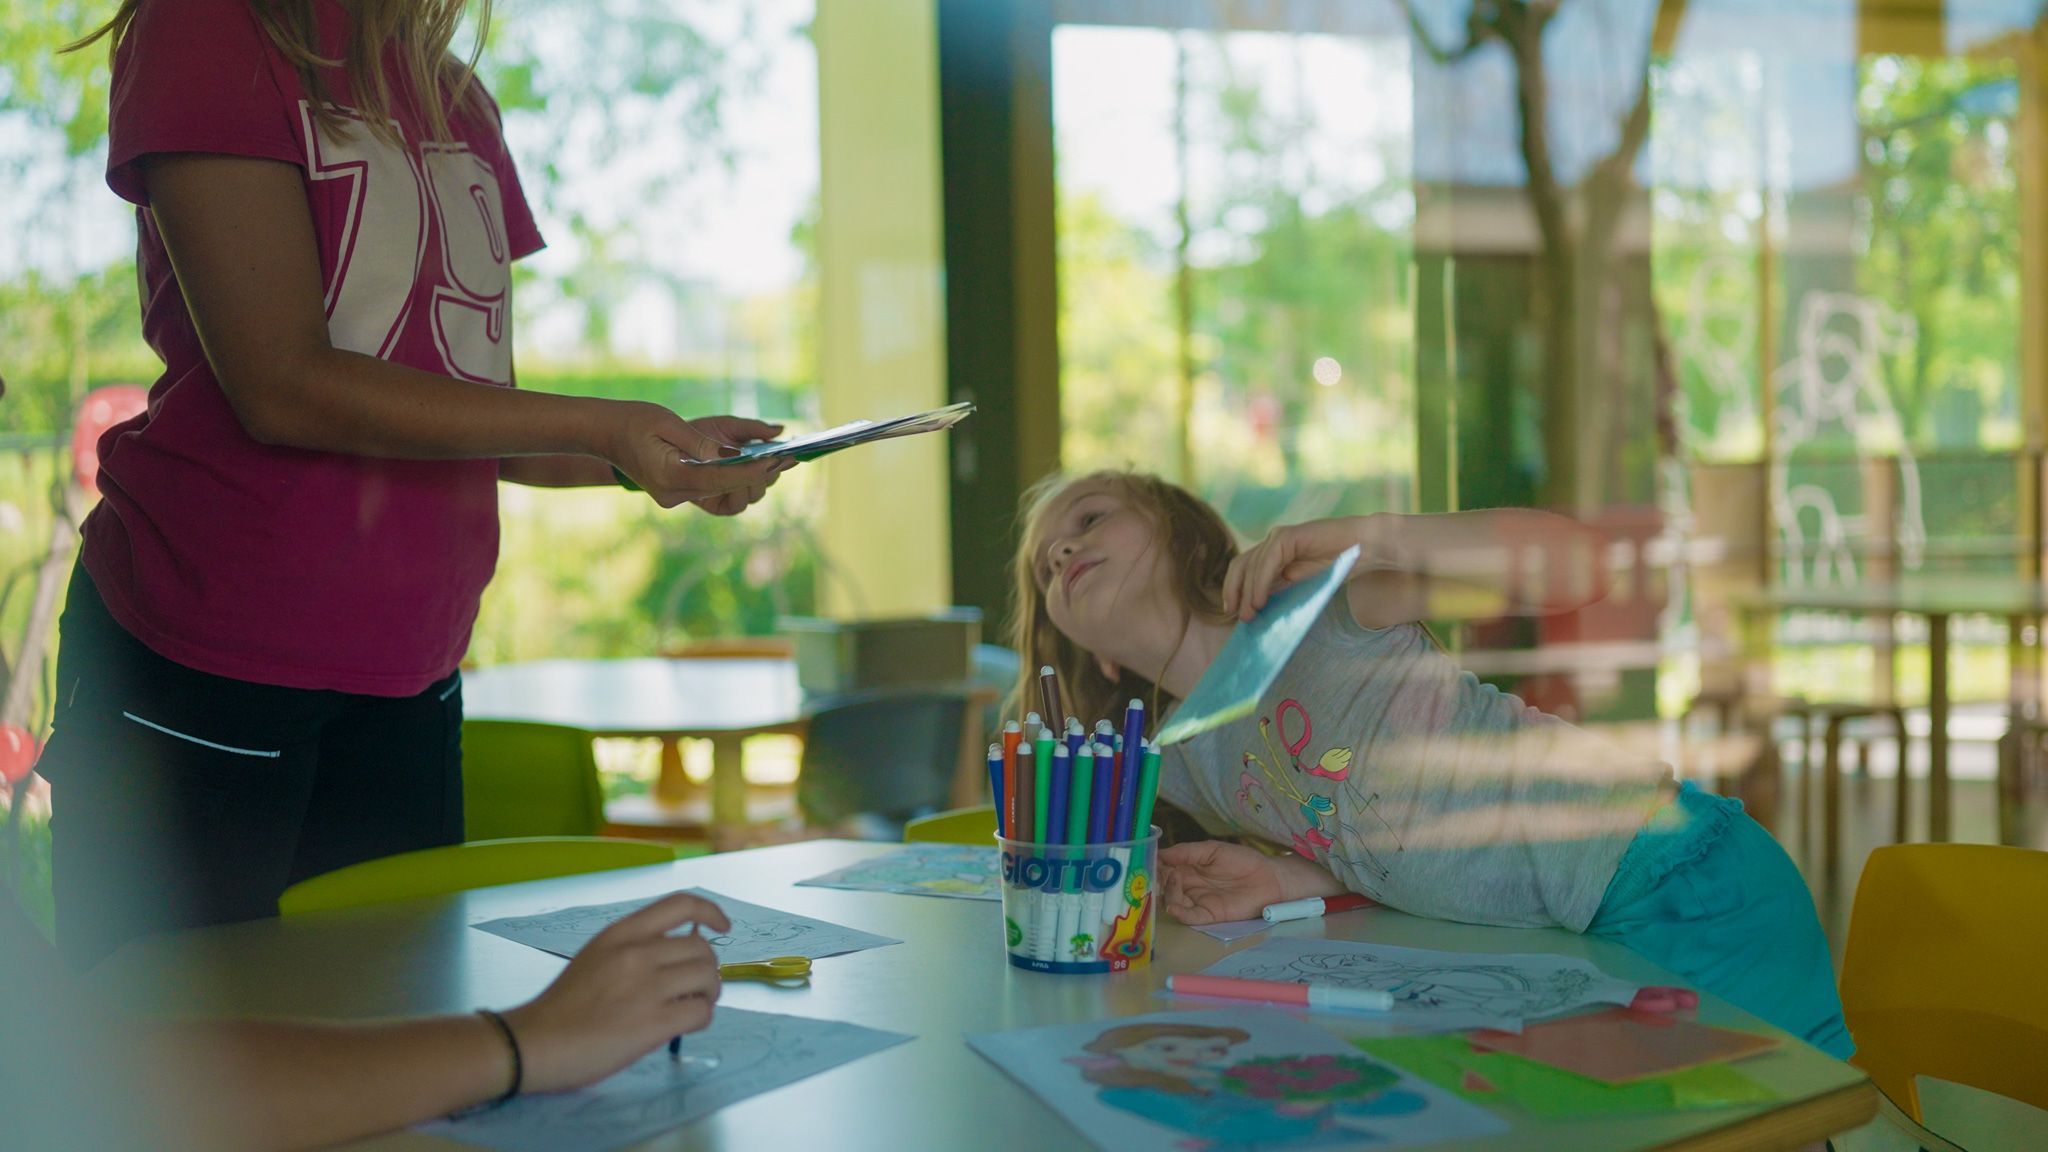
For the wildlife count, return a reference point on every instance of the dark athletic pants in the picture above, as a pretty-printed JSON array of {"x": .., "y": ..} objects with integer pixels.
[{"x": 181, "y": 799}]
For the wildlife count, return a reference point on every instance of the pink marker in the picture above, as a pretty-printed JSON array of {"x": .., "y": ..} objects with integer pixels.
[
  {"x": 1311, "y": 996},
  {"x": 1313, "y": 907}
]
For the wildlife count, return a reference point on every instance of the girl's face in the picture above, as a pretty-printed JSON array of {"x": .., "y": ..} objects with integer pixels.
[
  {"x": 1098, "y": 564},
  {"x": 1183, "y": 1057}
]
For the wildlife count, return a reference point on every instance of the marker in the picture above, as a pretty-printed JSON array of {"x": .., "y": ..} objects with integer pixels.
[
  {"x": 1049, "y": 688},
  {"x": 1313, "y": 907},
  {"x": 995, "y": 785},
  {"x": 1012, "y": 824},
  {"x": 1027, "y": 794},
  {"x": 1148, "y": 791},
  {"x": 1031, "y": 726},
  {"x": 1311, "y": 996},
  {"x": 1127, "y": 776},
  {"x": 1075, "y": 737},
  {"x": 1041, "y": 789},
  {"x": 1107, "y": 763},
  {"x": 1058, "y": 805},
  {"x": 1098, "y": 810},
  {"x": 1080, "y": 792}
]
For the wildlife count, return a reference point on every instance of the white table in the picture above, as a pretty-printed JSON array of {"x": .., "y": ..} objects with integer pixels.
[
  {"x": 947, "y": 978},
  {"x": 670, "y": 699}
]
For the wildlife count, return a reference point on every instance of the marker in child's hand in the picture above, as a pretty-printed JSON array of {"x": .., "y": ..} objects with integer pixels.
[{"x": 1313, "y": 907}]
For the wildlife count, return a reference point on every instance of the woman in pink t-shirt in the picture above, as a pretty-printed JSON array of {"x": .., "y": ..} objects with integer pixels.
[{"x": 257, "y": 678}]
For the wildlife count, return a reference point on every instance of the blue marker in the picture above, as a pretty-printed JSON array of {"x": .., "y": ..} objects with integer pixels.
[
  {"x": 1127, "y": 777},
  {"x": 995, "y": 784},
  {"x": 1098, "y": 812}
]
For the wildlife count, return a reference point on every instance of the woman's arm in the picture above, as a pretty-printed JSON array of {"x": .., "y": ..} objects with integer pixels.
[
  {"x": 301, "y": 1084},
  {"x": 1517, "y": 561},
  {"x": 247, "y": 262}
]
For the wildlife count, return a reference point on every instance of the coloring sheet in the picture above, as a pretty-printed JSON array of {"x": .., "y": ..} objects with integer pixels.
[
  {"x": 1233, "y": 929},
  {"x": 1238, "y": 1079},
  {"x": 1255, "y": 653},
  {"x": 1437, "y": 991},
  {"x": 963, "y": 871},
  {"x": 754, "y": 1052},
  {"x": 757, "y": 933}
]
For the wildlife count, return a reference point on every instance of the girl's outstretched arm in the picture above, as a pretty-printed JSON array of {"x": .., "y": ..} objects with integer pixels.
[
  {"x": 242, "y": 244},
  {"x": 1516, "y": 561}
]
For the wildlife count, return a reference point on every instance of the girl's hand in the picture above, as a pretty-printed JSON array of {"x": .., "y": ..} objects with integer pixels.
[
  {"x": 1292, "y": 552},
  {"x": 631, "y": 988},
  {"x": 660, "y": 452},
  {"x": 1210, "y": 882}
]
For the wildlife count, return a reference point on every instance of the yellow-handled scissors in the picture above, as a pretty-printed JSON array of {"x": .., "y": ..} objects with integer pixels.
[{"x": 782, "y": 971}]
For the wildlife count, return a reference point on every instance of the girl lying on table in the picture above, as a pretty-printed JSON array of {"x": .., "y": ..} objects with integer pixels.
[{"x": 1388, "y": 770}]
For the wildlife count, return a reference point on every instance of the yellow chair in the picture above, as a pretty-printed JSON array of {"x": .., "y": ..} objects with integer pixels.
[
  {"x": 523, "y": 779},
  {"x": 461, "y": 867},
  {"x": 975, "y": 825},
  {"x": 1942, "y": 973}
]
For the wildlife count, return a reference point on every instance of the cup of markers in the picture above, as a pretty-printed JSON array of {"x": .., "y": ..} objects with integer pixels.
[{"x": 1079, "y": 852}]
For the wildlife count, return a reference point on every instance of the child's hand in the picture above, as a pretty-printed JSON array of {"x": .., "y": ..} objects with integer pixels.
[
  {"x": 659, "y": 451},
  {"x": 1210, "y": 882},
  {"x": 1293, "y": 552},
  {"x": 632, "y": 987}
]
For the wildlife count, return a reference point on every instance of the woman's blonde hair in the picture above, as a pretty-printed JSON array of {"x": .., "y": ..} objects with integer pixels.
[
  {"x": 1198, "y": 547},
  {"x": 421, "y": 31}
]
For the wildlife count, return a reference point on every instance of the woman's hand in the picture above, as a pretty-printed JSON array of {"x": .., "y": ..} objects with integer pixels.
[
  {"x": 1293, "y": 552},
  {"x": 662, "y": 453},
  {"x": 1210, "y": 881},
  {"x": 632, "y": 987}
]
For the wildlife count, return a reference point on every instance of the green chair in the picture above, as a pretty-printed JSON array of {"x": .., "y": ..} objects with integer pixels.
[
  {"x": 461, "y": 867},
  {"x": 976, "y": 825},
  {"x": 522, "y": 779}
]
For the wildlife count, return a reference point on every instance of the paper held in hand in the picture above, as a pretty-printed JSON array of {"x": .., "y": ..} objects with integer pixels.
[
  {"x": 831, "y": 440},
  {"x": 1255, "y": 653}
]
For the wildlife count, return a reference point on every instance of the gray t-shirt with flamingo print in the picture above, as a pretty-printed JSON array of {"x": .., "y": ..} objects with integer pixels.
[{"x": 1374, "y": 755}]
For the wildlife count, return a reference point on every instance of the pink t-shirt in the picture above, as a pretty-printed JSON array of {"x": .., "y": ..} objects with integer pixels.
[{"x": 280, "y": 565}]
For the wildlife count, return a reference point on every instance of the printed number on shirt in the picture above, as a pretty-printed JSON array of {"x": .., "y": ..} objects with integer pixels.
[{"x": 384, "y": 241}]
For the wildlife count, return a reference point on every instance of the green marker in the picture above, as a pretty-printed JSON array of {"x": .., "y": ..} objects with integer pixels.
[
  {"x": 1078, "y": 794},
  {"x": 1148, "y": 791},
  {"x": 1042, "y": 798}
]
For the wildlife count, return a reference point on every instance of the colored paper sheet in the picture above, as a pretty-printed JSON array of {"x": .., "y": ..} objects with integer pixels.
[
  {"x": 754, "y": 1052},
  {"x": 1255, "y": 653},
  {"x": 1241, "y": 1078},
  {"x": 1501, "y": 1079},
  {"x": 962, "y": 871},
  {"x": 1619, "y": 1046},
  {"x": 757, "y": 933}
]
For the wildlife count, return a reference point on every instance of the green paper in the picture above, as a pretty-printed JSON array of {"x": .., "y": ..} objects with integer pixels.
[
  {"x": 1547, "y": 1093},
  {"x": 1253, "y": 656}
]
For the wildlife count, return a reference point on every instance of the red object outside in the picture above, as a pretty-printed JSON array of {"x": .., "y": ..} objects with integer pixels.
[{"x": 101, "y": 409}]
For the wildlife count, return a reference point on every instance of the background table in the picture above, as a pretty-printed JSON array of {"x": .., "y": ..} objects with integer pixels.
[
  {"x": 2020, "y": 601},
  {"x": 723, "y": 700},
  {"x": 946, "y": 979}
]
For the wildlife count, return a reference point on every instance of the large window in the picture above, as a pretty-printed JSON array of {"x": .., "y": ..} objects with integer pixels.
[
  {"x": 1235, "y": 257},
  {"x": 1745, "y": 283}
]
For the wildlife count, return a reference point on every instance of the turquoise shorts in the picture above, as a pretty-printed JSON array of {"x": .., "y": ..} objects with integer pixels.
[{"x": 1705, "y": 893}]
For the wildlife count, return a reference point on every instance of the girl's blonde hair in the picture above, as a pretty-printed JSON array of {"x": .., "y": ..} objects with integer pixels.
[
  {"x": 420, "y": 30},
  {"x": 1198, "y": 547}
]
